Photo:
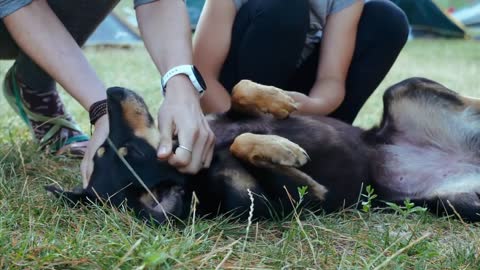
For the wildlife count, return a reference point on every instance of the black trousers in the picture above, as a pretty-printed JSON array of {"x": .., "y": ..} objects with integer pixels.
[
  {"x": 269, "y": 35},
  {"x": 80, "y": 18}
]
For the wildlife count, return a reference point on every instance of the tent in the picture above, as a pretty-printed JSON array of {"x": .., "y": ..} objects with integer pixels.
[
  {"x": 470, "y": 16},
  {"x": 120, "y": 27},
  {"x": 194, "y": 9},
  {"x": 427, "y": 19},
  {"x": 114, "y": 31}
]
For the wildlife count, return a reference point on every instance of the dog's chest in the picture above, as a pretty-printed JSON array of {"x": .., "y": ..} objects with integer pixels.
[{"x": 226, "y": 129}]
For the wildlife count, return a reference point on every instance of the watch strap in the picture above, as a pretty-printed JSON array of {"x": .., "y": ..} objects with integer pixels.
[{"x": 182, "y": 69}]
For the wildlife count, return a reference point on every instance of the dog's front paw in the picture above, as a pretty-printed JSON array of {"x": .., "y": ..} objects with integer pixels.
[
  {"x": 248, "y": 96},
  {"x": 268, "y": 148},
  {"x": 279, "y": 104},
  {"x": 287, "y": 153}
]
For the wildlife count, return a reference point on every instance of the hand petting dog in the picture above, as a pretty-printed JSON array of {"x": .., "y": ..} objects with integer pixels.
[{"x": 196, "y": 139}]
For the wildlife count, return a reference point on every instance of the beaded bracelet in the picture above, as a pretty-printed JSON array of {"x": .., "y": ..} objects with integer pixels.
[{"x": 97, "y": 110}]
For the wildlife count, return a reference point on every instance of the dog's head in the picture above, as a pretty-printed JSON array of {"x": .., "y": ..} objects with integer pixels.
[{"x": 126, "y": 168}]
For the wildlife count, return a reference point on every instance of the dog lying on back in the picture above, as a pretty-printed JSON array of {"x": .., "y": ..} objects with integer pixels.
[{"x": 426, "y": 148}]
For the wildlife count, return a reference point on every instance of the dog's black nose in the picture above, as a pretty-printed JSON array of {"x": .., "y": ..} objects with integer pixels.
[{"x": 116, "y": 93}]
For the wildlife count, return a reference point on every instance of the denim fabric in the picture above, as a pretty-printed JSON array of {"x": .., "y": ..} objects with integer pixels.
[{"x": 7, "y": 7}]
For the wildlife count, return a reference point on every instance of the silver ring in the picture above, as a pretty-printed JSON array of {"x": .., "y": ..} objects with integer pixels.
[{"x": 185, "y": 148}]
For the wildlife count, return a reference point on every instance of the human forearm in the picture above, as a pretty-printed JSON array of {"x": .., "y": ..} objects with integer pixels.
[
  {"x": 39, "y": 33},
  {"x": 216, "y": 99},
  {"x": 336, "y": 52},
  {"x": 210, "y": 48},
  {"x": 338, "y": 43},
  {"x": 166, "y": 32},
  {"x": 330, "y": 95},
  {"x": 326, "y": 96}
]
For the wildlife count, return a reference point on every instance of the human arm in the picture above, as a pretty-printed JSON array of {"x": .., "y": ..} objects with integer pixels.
[
  {"x": 210, "y": 48},
  {"x": 40, "y": 34},
  {"x": 336, "y": 51},
  {"x": 166, "y": 32}
]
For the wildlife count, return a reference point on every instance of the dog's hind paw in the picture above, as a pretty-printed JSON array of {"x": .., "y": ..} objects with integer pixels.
[
  {"x": 274, "y": 149},
  {"x": 251, "y": 97}
]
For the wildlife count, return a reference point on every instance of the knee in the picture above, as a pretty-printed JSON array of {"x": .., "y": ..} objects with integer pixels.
[
  {"x": 388, "y": 21},
  {"x": 285, "y": 15}
]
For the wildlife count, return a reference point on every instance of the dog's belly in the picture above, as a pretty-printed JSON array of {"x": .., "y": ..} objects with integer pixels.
[
  {"x": 424, "y": 172},
  {"x": 339, "y": 157}
]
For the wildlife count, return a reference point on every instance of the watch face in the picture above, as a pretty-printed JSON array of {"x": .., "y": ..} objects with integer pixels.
[{"x": 199, "y": 78}]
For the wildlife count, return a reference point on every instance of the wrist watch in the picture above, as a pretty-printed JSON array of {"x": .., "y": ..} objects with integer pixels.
[{"x": 191, "y": 72}]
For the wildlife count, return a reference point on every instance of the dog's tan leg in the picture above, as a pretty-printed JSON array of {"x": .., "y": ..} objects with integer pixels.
[
  {"x": 278, "y": 154},
  {"x": 256, "y": 148},
  {"x": 254, "y": 98}
]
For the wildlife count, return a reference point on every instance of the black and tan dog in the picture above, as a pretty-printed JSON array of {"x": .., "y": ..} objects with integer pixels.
[{"x": 427, "y": 148}]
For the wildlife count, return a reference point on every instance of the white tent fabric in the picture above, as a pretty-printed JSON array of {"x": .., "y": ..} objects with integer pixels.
[
  {"x": 469, "y": 16},
  {"x": 120, "y": 27},
  {"x": 113, "y": 31}
]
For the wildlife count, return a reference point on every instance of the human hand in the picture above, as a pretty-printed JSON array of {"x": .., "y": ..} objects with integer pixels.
[
  {"x": 181, "y": 115},
  {"x": 325, "y": 97},
  {"x": 305, "y": 104},
  {"x": 99, "y": 136}
]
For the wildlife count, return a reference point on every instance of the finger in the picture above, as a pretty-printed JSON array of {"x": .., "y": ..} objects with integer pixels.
[
  {"x": 89, "y": 171},
  {"x": 86, "y": 168},
  {"x": 165, "y": 127},
  {"x": 184, "y": 155},
  {"x": 210, "y": 144},
  {"x": 209, "y": 157},
  {"x": 196, "y": 162},
  {"x": 204, "y": 145},
  {"x": 200, "y": 147},
  {"x": 83, "y": 170}
]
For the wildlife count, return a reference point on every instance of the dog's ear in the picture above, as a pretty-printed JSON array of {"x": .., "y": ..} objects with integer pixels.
[{"x": 75, "y": 197}]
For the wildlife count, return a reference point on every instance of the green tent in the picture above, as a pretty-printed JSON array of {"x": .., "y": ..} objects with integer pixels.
[
  {"x": 194, "y": 10},
  {"x": 426, "y": 18}
]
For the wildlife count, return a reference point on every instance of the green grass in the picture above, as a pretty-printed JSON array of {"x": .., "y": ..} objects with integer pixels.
[{"x": 38, "y": 231}]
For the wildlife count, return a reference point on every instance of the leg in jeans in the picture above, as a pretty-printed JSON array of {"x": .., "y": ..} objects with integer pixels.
[
  {"x": 37, "y": 89},
  {"x": 267, "y": 39},
  {"x": 382, "y": 33}
]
